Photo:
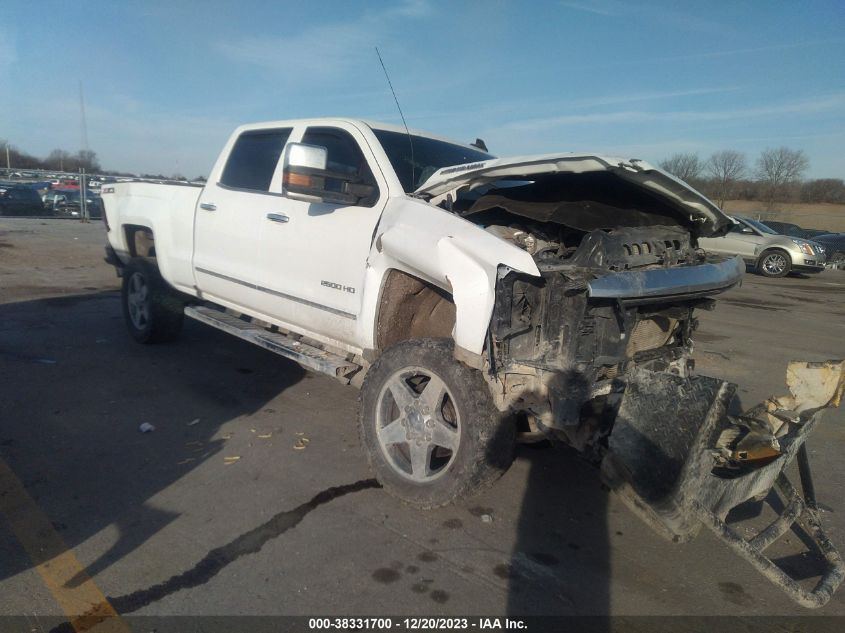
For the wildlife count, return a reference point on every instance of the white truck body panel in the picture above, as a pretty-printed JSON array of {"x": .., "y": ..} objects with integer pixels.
[
  {"x": 450, "y": 252},
  {"x": 168, "y": 210}
]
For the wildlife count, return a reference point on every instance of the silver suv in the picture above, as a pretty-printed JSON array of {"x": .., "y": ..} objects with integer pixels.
[{"x": 772, "y": 254}]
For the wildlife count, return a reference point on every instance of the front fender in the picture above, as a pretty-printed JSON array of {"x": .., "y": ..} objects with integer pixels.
[{"x": 456, "y": 255}]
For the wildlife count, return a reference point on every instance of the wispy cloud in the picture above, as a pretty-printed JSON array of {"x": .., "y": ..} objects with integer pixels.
[
  {"x": 828, "y": 103},
  {"x": 647, "y": 96},
  {"x": 752, "y": 49},
  {"x": 653, "y": 13},
  {"x": 599, "y": 8},
  {"x": 323, "y": 50}
]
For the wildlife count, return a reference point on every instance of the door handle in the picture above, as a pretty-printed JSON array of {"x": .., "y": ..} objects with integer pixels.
[
  {"x": 278, "y": 217},
  {"x": 208, "y": 206}
]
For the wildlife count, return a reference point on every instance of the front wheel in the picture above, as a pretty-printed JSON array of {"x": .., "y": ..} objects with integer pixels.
[
  {"x": 774, "y": 264},
  {"x": 152, "y": 310},
  {"x": 429, "y": 427}
]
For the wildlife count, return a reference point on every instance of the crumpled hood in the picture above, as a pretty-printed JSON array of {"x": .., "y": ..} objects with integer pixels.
[{"x": 711, "y": 221}]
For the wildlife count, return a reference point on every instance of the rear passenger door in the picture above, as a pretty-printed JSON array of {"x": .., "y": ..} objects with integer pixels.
[{"x": 231, "y": 212}]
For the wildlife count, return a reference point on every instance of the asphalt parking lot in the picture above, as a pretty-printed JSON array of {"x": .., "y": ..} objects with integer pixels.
[{"x": 162, "y": 523}]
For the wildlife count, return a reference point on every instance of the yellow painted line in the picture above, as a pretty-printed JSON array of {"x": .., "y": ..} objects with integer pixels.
[{"x": 79, "y": 598}]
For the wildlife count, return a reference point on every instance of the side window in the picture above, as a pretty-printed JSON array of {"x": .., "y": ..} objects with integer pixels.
[
  {"x": 253, "y": 159},
  {"x": 344, "y": 156}
]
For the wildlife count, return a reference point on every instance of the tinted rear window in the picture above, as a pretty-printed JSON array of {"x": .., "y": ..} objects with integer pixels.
[{"x": 254, "y": 158}]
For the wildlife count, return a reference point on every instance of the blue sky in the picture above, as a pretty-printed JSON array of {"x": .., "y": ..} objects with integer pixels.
[{"x": 165, "y": 82}]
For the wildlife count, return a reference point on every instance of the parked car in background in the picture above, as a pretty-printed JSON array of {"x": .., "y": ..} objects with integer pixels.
[
  {"x": 834, "y": 245},
  {"x": 770, "y": 253},
  {"x": 66, "y": 202},
  {"x": 793, "y": 230},
  {"x": 20, "y": 201}
]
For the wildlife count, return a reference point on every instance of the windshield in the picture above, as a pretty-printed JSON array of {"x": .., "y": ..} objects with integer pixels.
[
  {"x": 429, "y": 156},
  {"x": 760, "y": 226}
]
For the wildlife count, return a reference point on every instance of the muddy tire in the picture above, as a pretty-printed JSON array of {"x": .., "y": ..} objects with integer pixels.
[
  {"x": 774, "y": 263},
  {"x": 428, "y": 425},
  {"x": 152, "y": 309}
]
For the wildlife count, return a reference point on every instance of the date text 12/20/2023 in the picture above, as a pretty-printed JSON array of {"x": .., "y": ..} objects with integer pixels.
[{"x": 416, "y": 623}]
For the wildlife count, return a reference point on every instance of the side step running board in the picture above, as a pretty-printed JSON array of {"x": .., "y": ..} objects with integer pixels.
[{"x": 281, "y": 344}]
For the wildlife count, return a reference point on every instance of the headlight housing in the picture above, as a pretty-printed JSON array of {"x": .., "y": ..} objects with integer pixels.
[{"x": 804, "y": 247}]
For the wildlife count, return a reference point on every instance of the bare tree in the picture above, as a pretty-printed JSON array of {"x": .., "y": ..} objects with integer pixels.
[
  {"x": 779, "y": 168},
  {"x": 726, "y": 168},
  {"x": 687, "y": 167},
  {"x": 88, "y": 159},
  {"x": 57, "y": 160}
]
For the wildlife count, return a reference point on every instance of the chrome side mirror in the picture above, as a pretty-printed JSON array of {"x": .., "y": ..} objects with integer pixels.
[{"x": 305, "y": 177}]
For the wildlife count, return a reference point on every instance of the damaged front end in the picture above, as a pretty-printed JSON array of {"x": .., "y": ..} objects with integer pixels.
[
  {"x": 679, "y": 460},
  {"x": 595, "y": 352},
  {"x": 601, "y": 360},
  {"x": 621, "y": 299}
]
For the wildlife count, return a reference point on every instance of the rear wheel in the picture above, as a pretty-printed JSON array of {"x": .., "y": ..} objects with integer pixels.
[
  {"x": 429, "y": 427},
  {"x": 774, "y": 263},
  {"x": 152, "y": 310}
]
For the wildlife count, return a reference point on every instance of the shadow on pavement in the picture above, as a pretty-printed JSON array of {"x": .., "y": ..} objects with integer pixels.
[
  {"x": 560, "y": 561},
  {"x": 74, "y": 389}
]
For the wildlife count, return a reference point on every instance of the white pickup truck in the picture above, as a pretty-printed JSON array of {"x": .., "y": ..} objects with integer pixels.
[{"x": 475, "y": 301}]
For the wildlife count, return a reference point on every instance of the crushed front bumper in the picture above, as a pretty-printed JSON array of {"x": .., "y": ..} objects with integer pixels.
[
  {"x": 679, "y": 460},
  {"x": 679, "y": 282}
]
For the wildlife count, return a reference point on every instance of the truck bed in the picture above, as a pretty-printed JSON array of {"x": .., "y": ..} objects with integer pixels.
[{"x": 166, "y": 208}]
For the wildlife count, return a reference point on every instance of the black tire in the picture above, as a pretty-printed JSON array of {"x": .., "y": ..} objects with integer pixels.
[
  {"x": 157, "y": 316},
  {"x": 464, "y": 417},
  {"x": 774, "y": 263}
]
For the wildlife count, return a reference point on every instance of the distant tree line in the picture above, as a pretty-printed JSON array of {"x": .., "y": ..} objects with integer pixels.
[
  {"x": 62, "y": 160},
  {"x": 776, "y": 176},
  {"x": 57, "y": 160}
]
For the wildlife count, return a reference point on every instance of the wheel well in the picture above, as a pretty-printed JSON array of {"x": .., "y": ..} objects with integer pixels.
[
  {"x": 140, "y": 240},
  {"x": 772, "y": 249},
  {"x": 411, "y": 308}
]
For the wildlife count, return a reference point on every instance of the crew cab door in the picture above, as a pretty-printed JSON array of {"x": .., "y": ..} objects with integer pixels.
[
  {"x": 231, "y": 213},
  {"x": 313, "y": 260}
]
